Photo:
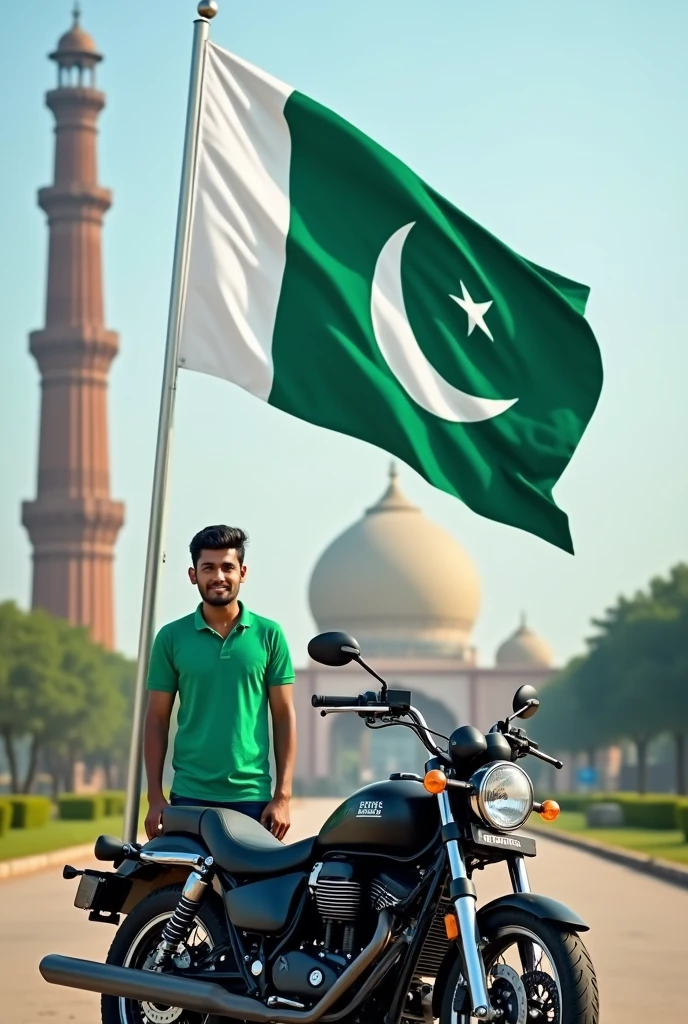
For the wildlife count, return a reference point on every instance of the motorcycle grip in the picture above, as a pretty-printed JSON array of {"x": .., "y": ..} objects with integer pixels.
[{"x": 319, "y": 700}]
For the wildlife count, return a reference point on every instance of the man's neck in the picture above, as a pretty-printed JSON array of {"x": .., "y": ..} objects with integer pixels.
[{"x": 222, "y": 618}]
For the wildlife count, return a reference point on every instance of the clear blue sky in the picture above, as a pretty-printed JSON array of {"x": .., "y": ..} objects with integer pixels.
[{"x": 560, "y": 127}]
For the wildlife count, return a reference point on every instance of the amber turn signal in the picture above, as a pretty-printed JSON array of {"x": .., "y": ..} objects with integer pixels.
[
  {"x": 550, "y": 810},
  {"x": 435, "y": 781},
  {"x": 451, "y": 927}
]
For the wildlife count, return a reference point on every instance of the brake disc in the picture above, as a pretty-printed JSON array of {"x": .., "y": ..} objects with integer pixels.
[
  {"x": 543, "y": 997},
  {"x": 508, "y": 994},
  {"x": 161, "y": 1014}
]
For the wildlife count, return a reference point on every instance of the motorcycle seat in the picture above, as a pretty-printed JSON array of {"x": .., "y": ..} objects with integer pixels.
[
  {"x": 182, "y": 819},
  {"x": 239, "y": 844}
]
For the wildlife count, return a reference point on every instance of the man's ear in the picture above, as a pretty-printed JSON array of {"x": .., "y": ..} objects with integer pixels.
[
  {"x": 244, "y": 570},
  {"x": 192, "y": 577}
]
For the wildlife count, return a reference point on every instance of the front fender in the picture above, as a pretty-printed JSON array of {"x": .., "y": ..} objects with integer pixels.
[{"x": 542, "y": 907}]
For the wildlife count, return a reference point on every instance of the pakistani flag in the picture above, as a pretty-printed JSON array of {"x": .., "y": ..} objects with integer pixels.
[{"x": 328, "y": 279}]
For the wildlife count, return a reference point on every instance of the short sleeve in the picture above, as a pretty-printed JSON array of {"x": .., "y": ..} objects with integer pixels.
[
  {"x": 279, "y": 671},
  {"x": 162, "y": 674}
]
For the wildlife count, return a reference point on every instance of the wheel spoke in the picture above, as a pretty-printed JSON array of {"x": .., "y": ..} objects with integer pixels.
[{"x": 141, "y": 950}]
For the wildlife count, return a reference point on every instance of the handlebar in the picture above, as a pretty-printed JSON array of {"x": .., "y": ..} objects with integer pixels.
[
  {"x": 523, "y": 745},
  {"x": 369, "y": 705},
  {"x": 546, "y": 758},
  {"x": 319, "y": 700}
]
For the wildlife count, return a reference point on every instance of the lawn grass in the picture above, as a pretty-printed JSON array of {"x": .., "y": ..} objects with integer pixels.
[
  {"x": 23, "y": 842},
  {"x": 666, "y": 845},
  {"x": 58, "y": 835}
]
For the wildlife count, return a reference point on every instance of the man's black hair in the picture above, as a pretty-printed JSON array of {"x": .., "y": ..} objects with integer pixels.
[{"x": 217, "y": 538}]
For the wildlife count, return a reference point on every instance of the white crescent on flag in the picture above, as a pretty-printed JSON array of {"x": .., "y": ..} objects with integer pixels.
[{"x": 403, "y": 355}]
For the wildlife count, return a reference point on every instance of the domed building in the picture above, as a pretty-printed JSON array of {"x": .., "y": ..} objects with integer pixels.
[
  {"x": 524, "y": 650},
  {"x": 410, "y": 595},
  {"x": 398, "y": 583}
]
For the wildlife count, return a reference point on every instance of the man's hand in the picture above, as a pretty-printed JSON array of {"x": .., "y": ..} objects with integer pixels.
[
  {"x": 154, "y": 816},
  {"x": 275, "y": 817}
]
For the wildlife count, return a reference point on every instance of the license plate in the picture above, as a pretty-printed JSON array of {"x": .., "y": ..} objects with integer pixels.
[
  {"x": 86, "y": 893},
  {"x": 508, "y": 843}
]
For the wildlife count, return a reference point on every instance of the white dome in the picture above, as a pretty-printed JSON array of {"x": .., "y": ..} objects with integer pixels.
[
  {"x": 524, "y": 649},
  {"x": 398, "y": 583}
]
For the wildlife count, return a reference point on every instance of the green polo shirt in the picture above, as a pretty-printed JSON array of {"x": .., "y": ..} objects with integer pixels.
[{"x": 222, "y": 746}]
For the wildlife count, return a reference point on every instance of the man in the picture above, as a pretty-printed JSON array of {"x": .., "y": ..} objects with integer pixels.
[{"x": 227, "y": 665}]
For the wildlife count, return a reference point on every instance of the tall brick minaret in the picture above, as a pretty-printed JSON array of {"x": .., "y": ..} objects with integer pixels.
[{"x": 73, "y": 523}]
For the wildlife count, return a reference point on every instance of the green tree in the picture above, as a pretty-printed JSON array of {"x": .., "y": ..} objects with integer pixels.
[
  {"x": 631, "y": 684},
  {"x": 67, "y": 696},
  {"x": 112, "y": 747},
  {"x": 14, "y": 707}
]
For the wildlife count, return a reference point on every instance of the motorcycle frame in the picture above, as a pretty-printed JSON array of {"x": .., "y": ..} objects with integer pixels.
[
  {"x": 447, "y": 868},
  {"x": 456, "y": 857}
]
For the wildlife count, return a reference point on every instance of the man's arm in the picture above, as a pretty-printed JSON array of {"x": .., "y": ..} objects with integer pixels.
[
  {"x": 162, "y": 687},
  {"x": 155, "y": 738},
  {"x": 276, "y": 814}
]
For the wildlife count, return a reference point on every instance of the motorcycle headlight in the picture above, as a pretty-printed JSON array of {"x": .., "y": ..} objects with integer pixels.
[{"x": 503, "y": 795}]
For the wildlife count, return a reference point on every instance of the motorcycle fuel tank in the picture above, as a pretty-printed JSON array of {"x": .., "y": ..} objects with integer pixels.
[{"x": 396, "y": 818}]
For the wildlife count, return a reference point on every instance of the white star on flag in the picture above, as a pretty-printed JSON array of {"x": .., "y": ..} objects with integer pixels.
[{"x": 476, "y": 311}]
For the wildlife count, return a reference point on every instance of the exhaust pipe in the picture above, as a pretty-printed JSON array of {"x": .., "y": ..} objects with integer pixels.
[{"x": 203, "y": 996}]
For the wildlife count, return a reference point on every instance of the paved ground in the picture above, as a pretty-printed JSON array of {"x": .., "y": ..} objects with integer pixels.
[{"x": 638, "y": 938}]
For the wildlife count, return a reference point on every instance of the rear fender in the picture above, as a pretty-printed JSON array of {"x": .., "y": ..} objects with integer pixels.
[
  {"x": 146, "y": 878},
  {"x": 542, "y": 907}
]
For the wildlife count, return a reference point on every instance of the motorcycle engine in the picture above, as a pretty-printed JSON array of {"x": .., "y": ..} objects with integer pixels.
[{"x": 347, "y": 901}]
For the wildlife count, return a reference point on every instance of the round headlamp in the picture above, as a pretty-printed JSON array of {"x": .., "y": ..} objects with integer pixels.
[{"x": 503, "y": 795}]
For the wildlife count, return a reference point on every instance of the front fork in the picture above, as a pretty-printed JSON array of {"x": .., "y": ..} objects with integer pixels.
[
  {"x": 463, "y": 896},
  {"x": 530, "y": 953}
]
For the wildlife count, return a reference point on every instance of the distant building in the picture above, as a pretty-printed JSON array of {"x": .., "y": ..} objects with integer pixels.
[
  {"x": 410, "y": 595},
  {"x": 73, "y": 522}
]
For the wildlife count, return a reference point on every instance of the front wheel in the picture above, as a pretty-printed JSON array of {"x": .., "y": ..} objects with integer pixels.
[
  {"x": 536, "y": 974},
  {"x": 138, "y": 937}
]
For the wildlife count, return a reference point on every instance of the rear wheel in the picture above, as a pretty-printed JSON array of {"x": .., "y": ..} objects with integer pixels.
[
  {"x": 536, "y": 974},
  {"x": 138, "y": 937}
]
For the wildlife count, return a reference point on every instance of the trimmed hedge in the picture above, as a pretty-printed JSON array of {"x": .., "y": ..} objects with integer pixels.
[
  {"x": 651, "y": 812},
  {"x": 682, "y": 817},
  {"x": 5, "y": 815},
  {"x": 655, "y": 811},
  {"x": 576, "y": 802},
  {"x": 113, "y": 801},
  {"x": 30, "y": 811},
  {"x": 75, "y": 807}
]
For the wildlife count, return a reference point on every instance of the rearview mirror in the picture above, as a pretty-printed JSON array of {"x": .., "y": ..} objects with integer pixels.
[
  {"x": 526, "y": 701},
  {"x": 335, "y": 649}
]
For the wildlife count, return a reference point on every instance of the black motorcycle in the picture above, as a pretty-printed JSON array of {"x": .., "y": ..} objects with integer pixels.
[{"x": 373, "y": 920}]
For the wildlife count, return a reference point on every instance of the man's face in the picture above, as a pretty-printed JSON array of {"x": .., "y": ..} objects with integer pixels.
[{"x": 218, "y": 576}]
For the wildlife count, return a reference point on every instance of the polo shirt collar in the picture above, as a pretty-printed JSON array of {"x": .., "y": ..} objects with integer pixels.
[{"x": 244, "y": 621}]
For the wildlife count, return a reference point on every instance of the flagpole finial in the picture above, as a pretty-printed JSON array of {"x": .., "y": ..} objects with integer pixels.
[{"x": 208, "y": 9}]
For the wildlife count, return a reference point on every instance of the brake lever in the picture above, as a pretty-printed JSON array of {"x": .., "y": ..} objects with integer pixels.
[
  {"x": 523, "y": 746},
  {"x": 519, "y": 744},
  {"x": 547, "y": 758}
]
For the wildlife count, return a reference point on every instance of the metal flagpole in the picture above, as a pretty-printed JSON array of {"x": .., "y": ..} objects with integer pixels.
[{"x": 207, "y": 11}]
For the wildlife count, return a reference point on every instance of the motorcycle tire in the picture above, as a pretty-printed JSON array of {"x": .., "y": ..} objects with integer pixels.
[
  {"x": 136, "y": 936},
  {"x": 575, "y": 988}
]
